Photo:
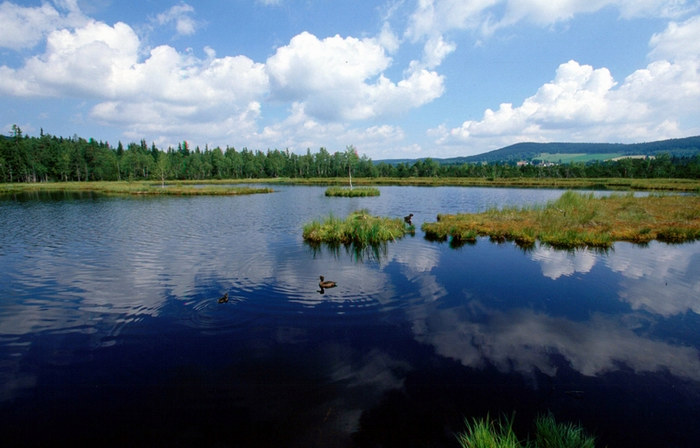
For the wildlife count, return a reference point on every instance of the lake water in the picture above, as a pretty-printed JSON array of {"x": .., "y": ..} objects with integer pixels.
[{"x": 111, "y": 333}]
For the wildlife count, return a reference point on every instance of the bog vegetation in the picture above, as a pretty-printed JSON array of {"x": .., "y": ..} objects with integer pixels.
[
  {"x": 50, "y": 158},
  {"x": 146, "y": 188},
  {"x": 352, "y": 192},
  {"x": 359, "y": 228},
  {"x": 577, "y": 220},
  {"x": 490, "y": 433}
]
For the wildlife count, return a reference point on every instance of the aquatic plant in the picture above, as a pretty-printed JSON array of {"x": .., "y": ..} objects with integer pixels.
[
  {"x": 578, "y": 220},
  {"x": 550, "y": 434},
  {"x": 359, "y": 228},
  {"x": 352, "y": 192},
  {"x": 489, "y": 433}
]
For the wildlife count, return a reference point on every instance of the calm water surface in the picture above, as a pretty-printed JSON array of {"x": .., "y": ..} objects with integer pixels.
[{"x": 111, "y": 333}]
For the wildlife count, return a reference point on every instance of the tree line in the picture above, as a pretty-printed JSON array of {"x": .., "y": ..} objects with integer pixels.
[{"x": 49, "y": 158}]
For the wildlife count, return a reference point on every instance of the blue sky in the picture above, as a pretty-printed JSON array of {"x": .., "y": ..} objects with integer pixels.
[{"x": 396, "y": 79}]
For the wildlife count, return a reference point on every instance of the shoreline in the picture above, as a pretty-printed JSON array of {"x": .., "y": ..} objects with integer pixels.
[{"x": 615, "y": 184}]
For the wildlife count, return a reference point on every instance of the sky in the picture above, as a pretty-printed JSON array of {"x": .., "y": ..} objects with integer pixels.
[{"x": 394, "y": 78}]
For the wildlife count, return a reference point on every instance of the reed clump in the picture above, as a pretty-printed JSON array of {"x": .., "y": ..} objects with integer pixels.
[
  {"x": 578, "y": 220},
  {"x": 359, "y": 228},
  {"x": 489, "y": 433},
  {"x": 352, "y": 192}
]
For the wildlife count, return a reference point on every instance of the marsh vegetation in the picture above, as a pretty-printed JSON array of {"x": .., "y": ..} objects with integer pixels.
[
  {"x": 359, "y": 228},
  {"x": 135, "y": 188},
  {"x": 352, "y": 192},
  {"x": 578, "y": 220},
  {"x": 490, "y": 433}
]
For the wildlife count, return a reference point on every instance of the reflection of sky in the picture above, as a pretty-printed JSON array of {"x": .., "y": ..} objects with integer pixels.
[
  {"x": 524, "y": 341},
  {"x": 556, "y": 263},
  {"x": 660, "y": 279}
]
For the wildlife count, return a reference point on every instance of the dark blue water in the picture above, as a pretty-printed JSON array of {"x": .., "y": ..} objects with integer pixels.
[{"x": 111, "y": 333}]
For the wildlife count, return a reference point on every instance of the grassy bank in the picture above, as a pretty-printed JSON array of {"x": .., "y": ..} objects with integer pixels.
[
  {"x": 577, "y": 220},
  {"x": 352, "y": 193},
  {"x": 487, "y": 433},
  {"x": 359, "y": 228},
  {"x": 132, "y": 188},
  {"x": 620, "y": 184}
]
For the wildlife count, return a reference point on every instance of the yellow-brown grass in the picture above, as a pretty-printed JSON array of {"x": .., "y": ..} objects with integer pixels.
[
  {"x": 133, "y": 188},
  {"x": 577, "y": 220}
]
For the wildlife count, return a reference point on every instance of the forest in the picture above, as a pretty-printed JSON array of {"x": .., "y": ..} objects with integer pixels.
[{"x": 48, "y": 158}]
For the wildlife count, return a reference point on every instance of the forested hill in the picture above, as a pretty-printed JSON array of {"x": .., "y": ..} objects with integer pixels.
[
  {"x": 566, "y": 152},
  {"x": 681, "y": 147}
]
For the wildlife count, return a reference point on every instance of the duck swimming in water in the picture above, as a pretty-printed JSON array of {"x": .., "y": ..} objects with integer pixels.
[
  {"x": 224, "y": 298},
  {"x": 326, "y": 283},
  {"x": 407, "y": 219}
]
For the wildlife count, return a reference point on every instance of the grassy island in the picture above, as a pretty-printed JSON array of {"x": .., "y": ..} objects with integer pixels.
[
  {"x": 359, "y": 228},
  {"x": 578, "y": 220},
  {"x": 133, "y": 188},
  {"x": 352, "y": 193}
]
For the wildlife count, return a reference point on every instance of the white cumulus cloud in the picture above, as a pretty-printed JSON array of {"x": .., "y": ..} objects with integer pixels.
[
  {"x": 165, "y": 92},
  {"x": 678, "y": 41},
  {"x": 24, "y": 27},
  {"x": 583, "y": 103},
  {"x": 340, "y": 78}
]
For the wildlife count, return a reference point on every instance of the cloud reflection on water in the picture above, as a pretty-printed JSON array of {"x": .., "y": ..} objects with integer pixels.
[
  {"x": 556, "y": 263},
  {"x": 521, "y": 339},
  {"x": 525, "y": 341},
  {"x": 661, "y": 278}
]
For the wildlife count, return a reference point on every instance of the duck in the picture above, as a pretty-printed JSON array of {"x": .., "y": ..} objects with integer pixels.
[
  {"x": 407, "y": 219},
  {"x": 326, "y": 284},
  {"x": 224, "y": 298}
]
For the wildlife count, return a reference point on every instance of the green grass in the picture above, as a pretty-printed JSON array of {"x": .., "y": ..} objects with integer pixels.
[
  {"x": 622, "y": 184},
  {"x": 578, "y": 220},
  {"x": 352, "y": 193},
  {"x": 359, "y": 228},
  {"x": 609, "y": 183},
  {"x": 133, "y": 188},
  {"x": 489, "y": 433},
  {"x": 550, "y": 434}
]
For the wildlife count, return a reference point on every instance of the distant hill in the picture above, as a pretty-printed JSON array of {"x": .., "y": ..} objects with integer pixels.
[{"x": 568, "y": 152}]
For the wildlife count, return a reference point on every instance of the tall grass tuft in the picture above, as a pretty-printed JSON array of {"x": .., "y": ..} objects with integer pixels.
[
  {"x": 352, "y": 192},
  {"x": 489, "y": 433},
  {"x": 550, "y": 434},
  {"x": 359, "y": 228}
]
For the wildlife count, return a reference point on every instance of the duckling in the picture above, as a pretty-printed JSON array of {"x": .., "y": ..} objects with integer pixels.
[
  {"x": 224, "y": 298},
  {"x": 407, "y": 219},
  {"x": 326, "y": 284}
]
